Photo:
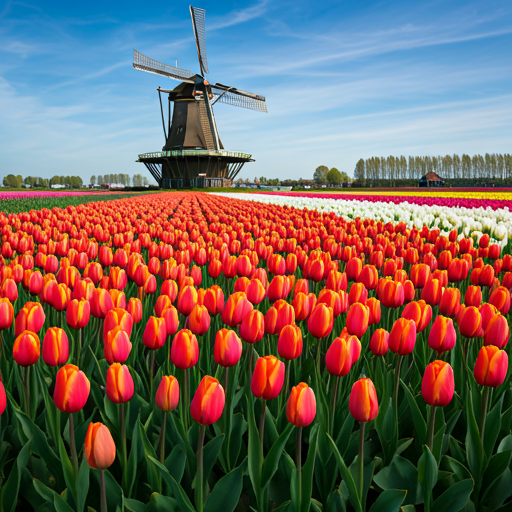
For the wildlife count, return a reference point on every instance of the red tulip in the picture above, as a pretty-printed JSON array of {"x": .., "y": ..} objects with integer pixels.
[
  {"x": 227, "y": 349},
  {"x": 321, "y": 321},
  {"x": 6, "y": 313},
  {"x": 252, "y": 328},
  {"x": 402, "y": 337},
  {"x": 442, "y": 335},
  {"x": 450, "y": 302},
  {"x": 268, "y": 377},
  {"x": 26, "y": 348},
  {"x": 497, "y": 332},
  {"x": 117, "y": 345},
  {"x": 30, "y": 318},
  {"x": 342, "y": 354},
  {"x": 470, "y": 322},
  {"x": 208, "y": 402},
  {"x": 235, "y": 309},
  {"x": 438, "y": 384},
  {"x": 199, "y": 320},
  {"x": 55, "y": 346},
  {"x": 379, "y": 342},
  {"x": 289, "y": 344},
  {"x": 301, "y": 406},
  {"x": 358, "y": 318},
  {"x": 71, "y": 389},
  {"x": 491, "y": 366},
  {"x": 500, "y": 298},
  {"x": 363, "y": 402},
  {"x": 184, "y": 349},
  {"x": 155, "y": 333},
  {"x": 119, "y": 383},
  {"x": 168, "y": 394},
  {"x": 420, "y": 312},
  {"x": 135, "y": 309}
]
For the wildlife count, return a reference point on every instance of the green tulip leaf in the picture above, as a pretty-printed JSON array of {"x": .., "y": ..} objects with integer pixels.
[
  {"x": 226, "y": 493},
  {"x": 389, "y": 501}
]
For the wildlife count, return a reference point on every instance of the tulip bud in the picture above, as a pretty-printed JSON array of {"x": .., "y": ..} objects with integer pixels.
[
  {"x": 342, "y": 354},
  {"x": 135, "y": 309},
  {"x": 172, "y": 322},
  {"x": 117, "y": 345},
  {"x": 213, "y": 300},
  {"x": 235, "y": 309},
  {"x": 470, "y": 322},
  {"x": 101, "y": 303},
  {"x": 303, "y": 305},
  {"x": 473, "y": 296},
  {"x": 208, "y": 402},
  {"x": 420, "y": 312},
  {"x": 358, "y": 293},
  {"x": 491, "y": 366},
  {"x": 500, "y": 298},
  {"x": 119, "y": 383},
  {"x": 55, "y": 346},
  {"x": 279, "y": 315},
  {"x": 268, "y": 377},
  {"x": 321, "y": 321},
  {"x": 199, "y": 320},
  {"x": 252, "y": 328},
  {"x": 184, "y": 349},
  {"x": 289, "y": 344},
  {"x": 155, "y": 333},
  {"x": 187, "y": 299},
  {"x": 99, "y": 446},
  {"x": 497, "y": 332},
  {"x": 379, "y": 342},
  {"x": 358, "y": 318},
  {"x": 363, "y": 404},
  {"x": 432, "y": 292},
  {"x": 78, "y": 313},
  {"x": 6, "y": 313},
  {"x": 3, "y": 398},
  {"x": 450, "y": 302},
  {"x": 168, "y": 394},
  {"x": 71, "y": 389},
  {"x": 301, "y": 406},
  {"x": 227, "y": 349},
  {"x": 402, "y": 337},
  {"x": 30, "y": 318},
  {"x": 373, "y": 306},
  {"x": 442, "y": 335},
  {"x": 438, "y": 384},
  {"x": 26, "y": 349}
]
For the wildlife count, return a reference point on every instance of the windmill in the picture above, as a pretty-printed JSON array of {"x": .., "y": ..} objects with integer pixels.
[{"x": 193, "y": 154}]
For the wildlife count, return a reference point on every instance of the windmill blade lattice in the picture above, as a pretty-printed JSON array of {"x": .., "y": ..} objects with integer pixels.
[
  {"x": 198, "y": 16},
  {"x": 144, "y": 63},
  {"x": 238, "y": 98}
]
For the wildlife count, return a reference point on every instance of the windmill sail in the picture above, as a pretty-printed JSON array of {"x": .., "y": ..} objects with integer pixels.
[
  {"x": 198, "y": 16},
  {"x": 144, "y": 63},
  {"x": 238, "y": 98}
]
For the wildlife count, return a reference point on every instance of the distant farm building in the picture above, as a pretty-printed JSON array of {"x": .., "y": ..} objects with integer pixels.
[{"x": 431, "y": 179}]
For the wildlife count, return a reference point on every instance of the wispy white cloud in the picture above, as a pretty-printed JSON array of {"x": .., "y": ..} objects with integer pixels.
[{"x": 239, "y": 16}]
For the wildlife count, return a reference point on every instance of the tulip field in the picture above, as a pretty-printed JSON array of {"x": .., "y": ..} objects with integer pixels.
[{"x": 200, "y": 353}]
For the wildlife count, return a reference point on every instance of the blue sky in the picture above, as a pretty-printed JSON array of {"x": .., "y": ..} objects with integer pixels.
[{"x": 343, "y": 80}]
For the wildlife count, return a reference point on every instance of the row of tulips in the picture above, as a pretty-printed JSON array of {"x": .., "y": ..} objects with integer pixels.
[{"x": 171, "y": 324}]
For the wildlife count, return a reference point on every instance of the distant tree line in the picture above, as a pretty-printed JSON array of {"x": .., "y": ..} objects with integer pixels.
[
  {"x": 120, "y": 179},
  {"x": 491, "y": 166}
]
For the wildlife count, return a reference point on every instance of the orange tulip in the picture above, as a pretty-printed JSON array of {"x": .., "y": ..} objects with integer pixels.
[
  {"x": 279, "y": 315},
  {"x": 391, "y": 293},
  {"x": 497, "y": 332},
  {"x": 199, "y": 320},
  {"x": 303, "y": 305},
  {"x": 363, "y": 404},
  {"x": 117, "y": 345},
  {"x": 301, "y": 406},
  {"x": 358, "y": 293},
  {"x": 289, "y": 344},
  {"x": 117, "y": 317},
  {"x": 162, "y": 302},
  {"x": 55, "y": 346},
  {"x": 358, "y": 318},
  {"x": 119, "y": 383},
  {"x": 235, "y": 309},
  {"x": 135, "y": 309},
  {"x": 78, "y": 313},
  {"x": 491, "y": 366},
  {"x": 184, "y": 349},
  {"x": 373, "y": 306},
  {"x": 213, "y": 300},
  {"x": 101, "y": 303},
  {"x": 172, "y": 322},
  {"x": 187, "y": 299},
  {"x": 379, "y": 342},
  {"x": 473, "y": 296},
  {"x": 402, "y": 337},
  {"x": 71, "y": 389},
  {"x": 450, "y": 302},
  {"x": 26, "y": 348},
  {"x": 208, "y": 402},
  {"x": 342, "y": 354},
  {"x": 432, "y": 292},
  {"x": 6, "y": 313},
  {"x": 321, "y": 321},
  {"x": 470, "y": 322},
  {"x": 420, "y": 312},
  {"x": 420, "y": 274},
  {"x": 442, "y": 335},
  {"x": 168, "y": 394},
  {"x": 252, "y": 328},
  {"x": 155, "y": 333},
  {"x": 99, "y": 446},
  {"x": 500, "y": 298},
  {"x": 227, "y": 349},
  {"x": 438, "y": 384},
  {"x": 30, "y": 318},
  {"x": 268, "y": 377}
]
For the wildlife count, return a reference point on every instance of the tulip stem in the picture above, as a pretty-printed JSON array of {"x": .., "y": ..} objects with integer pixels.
[
  {"x": 262, "y": 422},
  {"x": 26, "y": 389},
  {"x": 79, "y": 347},
  {"x": 298, "y": 459},
  {"x": 186, "y": 401},
  {"x": 318, "y": 351},
  {"x": 123, "y": 433},
  {"x": 361, "y": 460},
  {"x": 334, "y": 400},
  {"x": 103, "y": 494},
  {"x": 151, "y": 368},
  {"x": 397, "y": 380},
  {"x": 72, "y": 444},
  {"x": 162, "y": 439},
  {"x": 226, "y": 379},
  {"x": 485, "y": 400},
  {"x": 431, "y": 427},
  {"x": 199, "y": 477},
  {"x": 287, "y": 374}
]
